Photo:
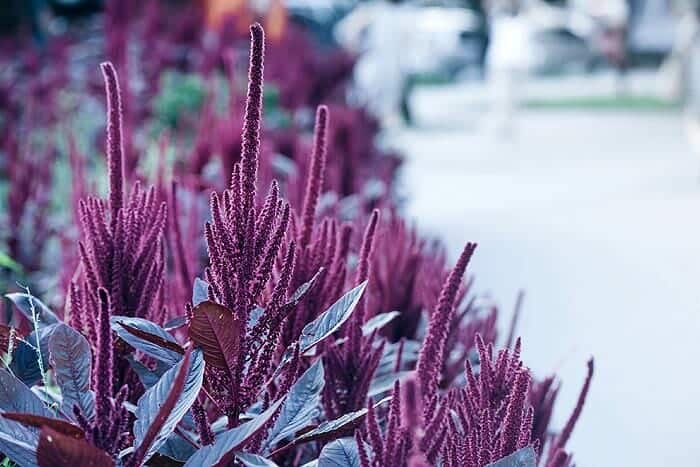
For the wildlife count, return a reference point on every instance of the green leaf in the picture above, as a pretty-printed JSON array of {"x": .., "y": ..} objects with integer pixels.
[{"x": 9, "y": 263}]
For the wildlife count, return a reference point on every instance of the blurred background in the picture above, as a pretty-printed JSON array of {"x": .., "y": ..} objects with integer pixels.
[{"x": 562, "y": 136}]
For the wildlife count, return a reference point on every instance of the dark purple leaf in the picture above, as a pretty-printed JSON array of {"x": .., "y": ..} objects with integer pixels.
[
  {"x": 339, "y": 453},
  {"x": 223, "y": 450},
  {"x": 24, "y": 302},
  {"x": 162, "y": 407},
  {"x": 148, "y": 337},
  {"x": 524, "y": 457},
  {"x": 37, "y": 421},
  {"x": 58, "y": 450},
  {"x": 70, "y": 357},
  {"x": 216, "y": 331},
  {"x": 5, "y": 333},
  {"x": 301, "y": 405}
]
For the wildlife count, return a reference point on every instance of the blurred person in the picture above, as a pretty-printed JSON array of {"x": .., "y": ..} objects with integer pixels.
[
  {"x": 508, "y": 59},
  {"x": 481, "y": 34},
  {"x": 380, "y": 33},
  {"x": 681, "y": 71},
  {"x": 611, "y": 19}
]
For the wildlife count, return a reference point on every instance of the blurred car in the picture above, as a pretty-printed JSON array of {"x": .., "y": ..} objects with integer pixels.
[
  {"x": 436, "y": 40},
  {"x": 400, "y": 43}
]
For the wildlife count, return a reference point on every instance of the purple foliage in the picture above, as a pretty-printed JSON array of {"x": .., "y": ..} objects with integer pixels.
[{"x": 275, "y": 307}]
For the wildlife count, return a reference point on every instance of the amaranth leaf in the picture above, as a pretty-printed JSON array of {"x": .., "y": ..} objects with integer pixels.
[
  {"x": 524, "y": 457},
  {"x": 330, "y": 320},
  {"x": 301, "y": 405},
  {"x": 58, "y": 450},
  {"x": 148, "y": 337},
  {"x": 223, "y": 450},
  {"x": 24, "y": 301},
  {"x": 162, "y": 406},
  {"x": 37, "y": 421},
  {"x": 340, "y": 453},
  {"x": 70, "y": 358},
  {"x": 217, "y": 332}
]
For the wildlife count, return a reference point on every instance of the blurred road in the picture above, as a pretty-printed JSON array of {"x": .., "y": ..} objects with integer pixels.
[{"x": 597, "y": 217}]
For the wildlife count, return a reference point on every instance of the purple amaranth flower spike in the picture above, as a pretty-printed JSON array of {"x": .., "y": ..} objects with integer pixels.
[
  {"x": 107, "y": 428},
  {"x": 104, "y": 361},
  {"x": 395, "y": 271},
  {"x": 388, "y": 449},
  {"x": 253, "y": 117},
  {"x": 115, "y": 143},
  {"x": 493, "y": 411},
  {"x": 431, "y": 355},
  {"x": 28, "y": 198},
  {"x": 364, "y": 262},
  {"x": 122, "y": 247},
  {"x": 246, "y": 246},
  {"x": 489, "y": 418},
  {"x": 351, "y": 366},
  {"x": 557, "y": 457},
  {"x": 314, "y": 183}
]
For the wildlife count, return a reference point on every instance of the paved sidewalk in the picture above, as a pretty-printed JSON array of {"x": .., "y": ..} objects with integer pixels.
[{"x": 597, "y": 217}]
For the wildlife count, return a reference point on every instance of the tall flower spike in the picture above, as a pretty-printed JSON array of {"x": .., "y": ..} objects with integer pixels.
[
  {"x": 363, "y": 264},
  {"x": 563, "y": 437},
  {"x": 511, "y": 431},
  {"x": 430, "y": 359},
  {"x": 314, "y": 182},
  {"x": 115, "y": 146},
  {"x": 253, "y": 115},
  {"x": 103, "y": 382},
  {"x": 179, "y": 247}
]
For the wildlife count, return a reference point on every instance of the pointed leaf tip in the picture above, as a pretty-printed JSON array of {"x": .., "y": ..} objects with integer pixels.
[{"x": 332, "y": 319}]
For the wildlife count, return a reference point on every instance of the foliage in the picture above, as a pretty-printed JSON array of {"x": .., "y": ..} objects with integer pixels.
[{"x": 306, "y": 341}]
